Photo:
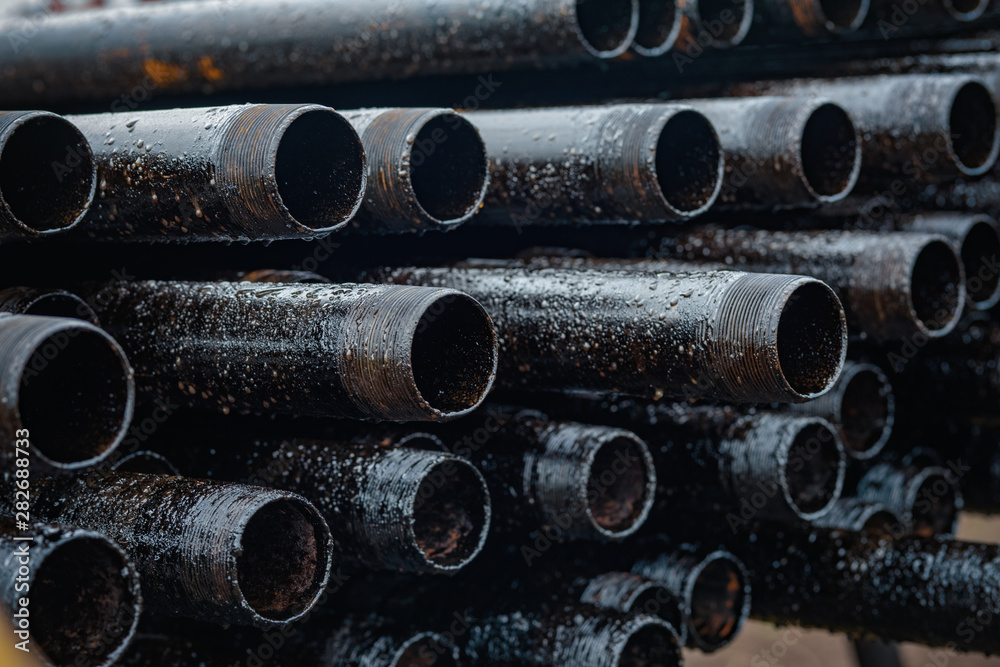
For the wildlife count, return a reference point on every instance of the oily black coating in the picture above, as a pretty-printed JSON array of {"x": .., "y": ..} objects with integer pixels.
[{"x": 361, "y": 351}]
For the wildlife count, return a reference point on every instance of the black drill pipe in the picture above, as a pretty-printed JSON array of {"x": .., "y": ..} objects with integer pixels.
[
  {"x": 225, "y": 553},
  {"x": 47, "y": 302},
  {"x": 861, "y": 406},
  {"x": 567, "y": 480},
  {"x": 934, "y": 592},
  {"x": 68, "y": 393},
  {"x": 893, "y": 286},
  {"x": 580, "y": 635},
  {"x": 857, "y": 515},
  {"x": 730, "y": 336},
  {"x": 927, "y": 499},
  {"x": 178, "y": 49},
  {"x": 82, "y": 594},
  {"x": 930, "y": 12},
  {"x": 619, "y": 163},
  {"x": 783, "y": 152},
  {"x": 977, "y": 240},
  {"x": 713, "y": 586},
  {"x": 48, "y": 174},
  {"x": 918, "y": 127},
  {"x": 370, "y": 643},
  {"x": 784, "y": 466},
  {"x": 237, "y": 173},
  {"x": 427, "y": 169},
  {"x": 661, "y": 23},
  {"x": 815, "y": 18},
  {"x": 626, "y": 592},
  {"x": 360, "y": 351},
  {"x": 718, "y": 24},
  {"x": 392, "y": 502}
]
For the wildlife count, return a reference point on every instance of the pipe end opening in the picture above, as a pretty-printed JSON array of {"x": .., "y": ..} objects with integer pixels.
[
  {"x": 973, "y": 127},
  {"x": 718, "y": 602},
  {"x": 619, "y": 486},
  {"x": 451, "y": 514},
  {"x": 814, "y": 470},
  {"x": 831, "y": 158},
  {"x": 281, "y": 584},
  {"x": 937, "y": 287},
  {"x": 47, "y": 174},
  {"x": 607, "y": 27},
  {"x": 320, "y": 169},
  {"x": 811, "y": 339},
  {"x": 688, "y": 163},
  {"x": 449, "y": 178},
  {"x": 866, "y": 412},
  {"x": 454, "y": 354}
]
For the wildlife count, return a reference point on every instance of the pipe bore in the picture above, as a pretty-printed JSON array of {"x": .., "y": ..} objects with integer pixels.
[
  {"x": 965, "y": 10},
  {"x": 867, "y": 411},
  {"x": 830, "y": 153},
  {"x": 935, "y": 503},
  {"x": 734, "y": 17},
  {"x": 718, "y": 601},
  {"x": 844, "y": 15},
  {"x": 979, "y": 250},
  {"x": 650, "y": 644},
  {"x": 449, "y": 182},
  {"x": 811, "y": 339},
  {"x": 426, "y": 649},
  {"x": 320, "y": 169},
  {"x": 936, "y": 294},
  {"x": 972, "y": 129},
  {"x": 47, "y": 172},
  {"x": 280, "y": 584},
  {"x": 689, "y": 163},
  {"x": 451, "y": 515},
  {"x": 606, "y": 27},
  {"x": 618, "y": 503},
  {"x": 85, "y": 601},
  {"x": 82, "y": 371},
  {"x": 814, "y": 471},
  {"x": 660, "y": 24},
  {"x": 454, "y": 354}
]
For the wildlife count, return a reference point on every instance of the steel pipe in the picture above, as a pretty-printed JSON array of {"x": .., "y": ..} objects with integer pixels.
[
  {"x": 46, "y": 302},
  {"x": 728, "y": 336},
  {"x": 237, "y": 173},
  {"x": 360, "y": 351},
  {"x": 74, "y": 588}
]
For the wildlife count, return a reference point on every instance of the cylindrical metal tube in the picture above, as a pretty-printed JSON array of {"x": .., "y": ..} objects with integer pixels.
[
  {"x": 236, "y": 173},
  {"x": 716, "y": 23},
  {"x": 226, "y": 553},
  {"x": 82, "y": 593},
  {"x": 893, "y": 286},
  {"x": 731, "y": 336},
  {"x": 813, "y": 18},
  {"x": 178, "y": 49},
  {"x": 660, "y": 24},
  {"x": 778, "y": 465},
  {"x": 67, "y": 392},
  {"x": 46, "y": 302},
  {"x": 569, "y": 480},
  {"x": 427, "y": 169},
  {"x": 977, "y": 240},
  {"x": 619, "y": 163},
  {"x": 625, "y": 593},
  {"x": 861, "y": 406},
  {"x": 927, "y": 499},
  {"x": 857, "y": 515},
  {"x": 929, "y": 591},
  {"x": 360, "y": 643},
  {"x": 579, "y": 635},
  {"x": 389, "y": 502},
  {"x": 919, "y": 126},
  {"x": 714, "y": 588},
  {"x": 930, "y": 12},
  {"x": 783, "y": 152},
  {"x": 47, "y": 174},
  {"x": 361, "y": 351}
]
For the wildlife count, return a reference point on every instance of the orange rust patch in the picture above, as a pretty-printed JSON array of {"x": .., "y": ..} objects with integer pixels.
[
  {"x": 208, "y": 69},
  {"x": 162, "y": 72}
]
